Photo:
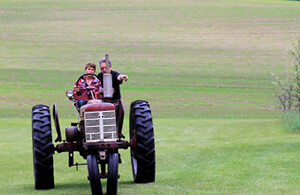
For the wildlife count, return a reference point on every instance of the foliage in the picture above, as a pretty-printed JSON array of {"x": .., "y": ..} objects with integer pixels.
[
  {"x": 295, "y": 52},
  {"x": 288, "y": 88},
  {"x": 284, "y": 92}
]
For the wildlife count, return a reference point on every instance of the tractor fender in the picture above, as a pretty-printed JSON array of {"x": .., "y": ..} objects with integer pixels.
[{"x": 56, "y": 122}]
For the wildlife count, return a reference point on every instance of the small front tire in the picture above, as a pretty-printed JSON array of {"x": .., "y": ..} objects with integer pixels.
[
  {"x": 112, "y": 174},
  {"x": 94, "y": 177}
]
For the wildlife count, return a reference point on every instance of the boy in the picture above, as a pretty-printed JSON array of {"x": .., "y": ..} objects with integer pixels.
[{"x": 88, "y": 81}]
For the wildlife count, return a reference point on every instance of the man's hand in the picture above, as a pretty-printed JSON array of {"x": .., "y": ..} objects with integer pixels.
[{"x": 122, "y": 77}]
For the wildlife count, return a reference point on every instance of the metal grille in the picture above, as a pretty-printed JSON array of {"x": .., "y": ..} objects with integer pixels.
[{"x": 100, "y": 126}]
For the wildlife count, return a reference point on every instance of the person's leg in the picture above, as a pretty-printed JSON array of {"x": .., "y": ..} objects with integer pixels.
[
  {"x": 82, "y": 110},
  {"x": 120, "y": 118},
  {"x": 81, "y": 103}
]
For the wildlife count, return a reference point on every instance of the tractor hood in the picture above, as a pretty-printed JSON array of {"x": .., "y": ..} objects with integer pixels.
[{"x": 99, "y": 106}]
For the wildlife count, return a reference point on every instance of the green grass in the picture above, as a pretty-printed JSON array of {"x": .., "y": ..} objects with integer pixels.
[
  {"x": 193, "y": 156},
  {"x": 204, "y": 66},
  {"x": 211, "y": 59},
  {"x": 291, "y": 121}
]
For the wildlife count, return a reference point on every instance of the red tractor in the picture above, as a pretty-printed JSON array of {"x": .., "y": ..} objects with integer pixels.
[{"x": 96, "y": 139}]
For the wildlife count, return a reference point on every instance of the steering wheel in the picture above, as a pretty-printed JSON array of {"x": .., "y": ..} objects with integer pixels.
[
  {"x": 88, "y": 88},
  {"x": 81, "y": 77}
]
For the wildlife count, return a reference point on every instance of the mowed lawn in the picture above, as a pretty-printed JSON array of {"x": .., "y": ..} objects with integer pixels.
[
  {"x": 207, "y": 59},
  {"x": 193, "y": 156},
  {"x": 204, "y": 66}
]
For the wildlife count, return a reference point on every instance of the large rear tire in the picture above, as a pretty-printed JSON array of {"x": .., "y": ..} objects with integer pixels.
[
  {"x": 112, "y": 174},
  {"x": 142, "y": 142},
  {"x": 42, "y": 148},
  {"x": 94, "y": 177}
]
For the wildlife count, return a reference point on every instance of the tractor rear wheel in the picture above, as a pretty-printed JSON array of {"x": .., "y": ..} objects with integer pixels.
[
  {"x": 142, "y": 142},
  {"x": 112, "y": 174},
  {"x": 42, "y": 147},
  {"x": 94, "y": 177}
]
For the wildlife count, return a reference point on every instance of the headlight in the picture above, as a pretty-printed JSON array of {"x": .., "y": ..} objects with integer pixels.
[{"x": 69, "y": 93}]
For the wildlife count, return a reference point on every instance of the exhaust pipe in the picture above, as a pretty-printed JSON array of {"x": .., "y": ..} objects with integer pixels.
[{"x": 108, "y": 90}]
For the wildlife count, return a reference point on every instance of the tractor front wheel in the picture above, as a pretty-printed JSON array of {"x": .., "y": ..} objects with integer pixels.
[
  {"x": 142, "y": 142},
  {"x": 112, "y": 174},
  {"x": 94, "y": 177},
  {"x": 42, "y": 148}
]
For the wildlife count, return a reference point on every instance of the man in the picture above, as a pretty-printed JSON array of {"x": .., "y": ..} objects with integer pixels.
[{"x": 117, "y": 80}]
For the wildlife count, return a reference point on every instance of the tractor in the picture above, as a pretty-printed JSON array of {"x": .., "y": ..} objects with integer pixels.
[{"x": 95, "y": 137}]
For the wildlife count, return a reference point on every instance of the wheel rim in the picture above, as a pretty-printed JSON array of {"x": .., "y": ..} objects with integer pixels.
[
  {"x": 133, "y": 148},
  {"x": 134, "y": 165}
]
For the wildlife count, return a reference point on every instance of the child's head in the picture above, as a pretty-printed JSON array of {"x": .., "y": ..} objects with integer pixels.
[{"x": 90, "y": 65}]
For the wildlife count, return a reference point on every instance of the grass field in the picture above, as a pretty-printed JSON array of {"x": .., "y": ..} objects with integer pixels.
[
  {"x": 201, "y": 156},
  {"x": 204, "y": 66}
]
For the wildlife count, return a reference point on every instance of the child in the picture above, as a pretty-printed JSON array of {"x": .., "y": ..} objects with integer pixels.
[{"x": 88, "y": 81}]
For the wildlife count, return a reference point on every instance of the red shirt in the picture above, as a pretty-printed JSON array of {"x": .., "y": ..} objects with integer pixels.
[{"x": 83, "y": 85}]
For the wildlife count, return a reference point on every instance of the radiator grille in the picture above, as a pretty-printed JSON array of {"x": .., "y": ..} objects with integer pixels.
[{"x": 100, "y": 126}]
